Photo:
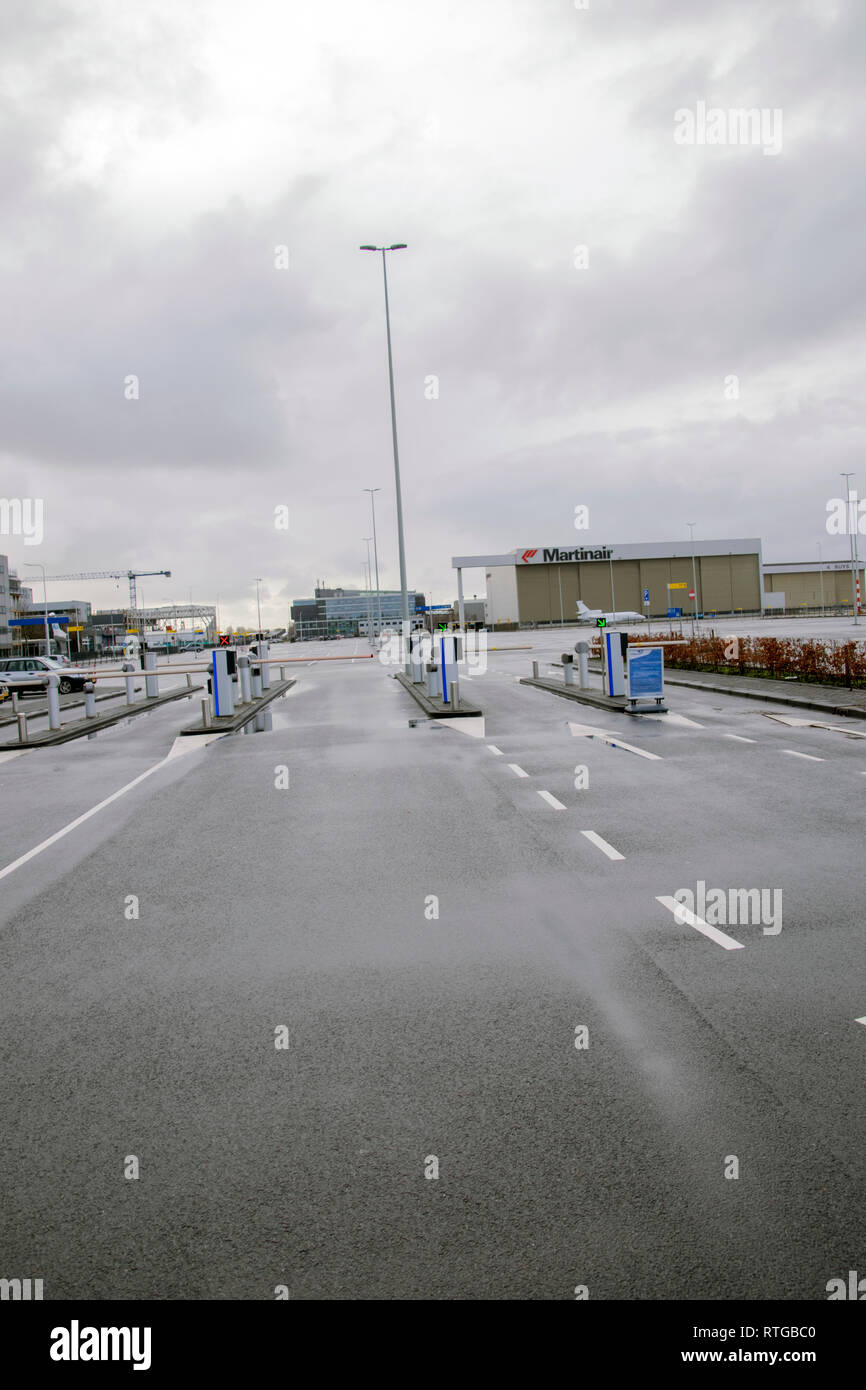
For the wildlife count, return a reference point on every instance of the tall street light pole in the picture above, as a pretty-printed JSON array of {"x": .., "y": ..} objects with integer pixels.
[
  {"x": 367, "y": 540},
  {"x": 821, "y": 572},
  {"x": 404, "y": 593},
  {"x": 259, "y": 601},
  {"x": 372, "y": 491},
  {"x": 691, "y": 525},
  {"x": 35, "y": 565},
  {"x": 852, "y": 531}
]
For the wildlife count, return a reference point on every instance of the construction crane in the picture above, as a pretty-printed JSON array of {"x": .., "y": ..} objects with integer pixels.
[{"x": 131, "y": 575}]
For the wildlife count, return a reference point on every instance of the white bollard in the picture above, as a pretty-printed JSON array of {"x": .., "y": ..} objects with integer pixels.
[
  {"x": 264, "y": 648},
  {"x": 245, "y": 695},
  {"x": 130, "y": 682},
  {"x": 205, "y": 712},
  {"x": 582, "y": 649},
  {"x": 256, "y": 681},
  {"x": 53, "y": 693},
  {"x": 89, "y": 701},
  {"x": 151, "y": 682},
  {"x": 22, "y": 728}
]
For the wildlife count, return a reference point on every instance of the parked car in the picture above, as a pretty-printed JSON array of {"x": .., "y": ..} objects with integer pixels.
[{"x": 28, "y": 674}]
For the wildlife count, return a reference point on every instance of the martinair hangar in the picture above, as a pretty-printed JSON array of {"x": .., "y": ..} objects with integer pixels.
[{"x": 543, "y": 584}]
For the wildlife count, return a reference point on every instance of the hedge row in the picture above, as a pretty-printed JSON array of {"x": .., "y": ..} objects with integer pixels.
[{"x": 829, "y": 663}]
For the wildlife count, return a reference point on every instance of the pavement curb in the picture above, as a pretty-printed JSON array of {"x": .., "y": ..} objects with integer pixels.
[
  {"x": 82, "y": 727},
  {"x": 822, "y": 706},
  {"x": 230, "y": 723},
  {"x": 436, "y": 710}
]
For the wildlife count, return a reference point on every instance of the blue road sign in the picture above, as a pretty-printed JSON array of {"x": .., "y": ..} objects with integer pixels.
[
  {"x": 432, "y": 607},
  {"x": 675, "y": 612},
  {"x": 646, "y": 595}
]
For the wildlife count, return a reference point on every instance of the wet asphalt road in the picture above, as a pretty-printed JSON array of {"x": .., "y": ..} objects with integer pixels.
[{"x": 413, "y": 1037}]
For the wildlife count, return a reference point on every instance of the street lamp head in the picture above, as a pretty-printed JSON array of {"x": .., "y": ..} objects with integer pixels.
[
  {"x": 398, "y": 246},
  {"x": 370, "y": 248}
]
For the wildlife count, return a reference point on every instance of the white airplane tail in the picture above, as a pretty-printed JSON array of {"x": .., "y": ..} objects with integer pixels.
[{"x": 583, "y": 610}]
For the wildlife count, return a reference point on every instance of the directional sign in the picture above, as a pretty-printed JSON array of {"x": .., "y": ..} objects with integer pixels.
[
  {"x": 432, "y": 607},
  {"x": 646, "y": 595},
  {"x": 225, "y": 640},
  {"x": 601, "y": 622},
  {"x": 678, "y": 585}
]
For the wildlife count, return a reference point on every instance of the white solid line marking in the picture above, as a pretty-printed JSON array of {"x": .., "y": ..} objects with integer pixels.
[
  {"x": 670, "y": 718},
  {"x": 518, "y": 771},
  {"x": 629, "y": 747},
  {"x": 741, "y": 738},
  {"x": 792, "y": 752},
  {"x": 602, "y": 845},
  {"x": 79, "y": 820},
  {"x": 552, "y": 801},
  {"x": 589, "y": 731},
  {"x": 691, "y": 919},
  {"x": 494, "y": 749}
]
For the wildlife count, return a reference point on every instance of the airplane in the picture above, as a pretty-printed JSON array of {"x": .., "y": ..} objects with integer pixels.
[{"x": 590, "y": 615}]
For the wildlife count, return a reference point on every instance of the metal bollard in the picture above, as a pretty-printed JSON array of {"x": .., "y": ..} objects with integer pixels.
[
  {"x": 582, "y": 649},
  {"x": 130, "y": 682},
  {"x": 245, "y": 693},
  {"x": 89, "y": 701},
  {"x": 53, "y": 694},
  {"x": 151, "y": 682},
  {"x": 189, "y": 678},
  {"x": 535, "y": 670},
  {"x": 433, "y": 686},
  {"x": 15, "y": 703},
  {"x": 264, "y": 649},
  {"x": 282, "y": 673},
  {"x": 205, "y": 712},
  {"x": 256, "y": 681},
  {"x": 568, "y": 668},
  {"x": 454, "y": 693},
  {"x": 22, "y": 728}
]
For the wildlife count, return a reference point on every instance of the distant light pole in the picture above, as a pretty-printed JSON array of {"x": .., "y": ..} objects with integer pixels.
[
  {"x": 259, "y": 601},
  {"x": 367, "y": 540},
  {"x": 372, "y": 491},
  {"x": 821, "y": 572},
  {"x": 35, "y": 565},
  {"x": 852, "y": 532},
  {"x": 612, "y": 598},
  {"x": 404, "y": 593},
  {"x": 691, "y": 525}
]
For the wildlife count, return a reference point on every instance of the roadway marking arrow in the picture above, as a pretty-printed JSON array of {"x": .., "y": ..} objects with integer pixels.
[{"x": 812, "y": 724}]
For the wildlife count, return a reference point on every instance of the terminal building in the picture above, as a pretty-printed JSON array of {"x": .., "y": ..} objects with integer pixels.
[
  {"x": 542, "y": 584},
  {"x": 345, "y": 612}
]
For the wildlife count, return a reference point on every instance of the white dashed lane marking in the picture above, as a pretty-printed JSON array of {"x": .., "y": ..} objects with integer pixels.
[
  {"x": 552, "y": 801},
  {"x": 741, "y": 738},
  {"x": 602, "y": 845},
  {"x": 494, "y": 749},
  {"x": 691, "y": 919},
  {"x": 518, "y": 771},
  {"x": 810, "y": 757}
]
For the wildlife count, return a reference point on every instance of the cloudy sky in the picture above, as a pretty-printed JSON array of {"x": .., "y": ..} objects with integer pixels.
[{"x": 661, "y": 331}]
